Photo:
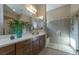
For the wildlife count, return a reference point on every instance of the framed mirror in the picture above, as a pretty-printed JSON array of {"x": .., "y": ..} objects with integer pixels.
[
  {"x": 29, "y": 14},
  {"x": 14, "y": 12}
]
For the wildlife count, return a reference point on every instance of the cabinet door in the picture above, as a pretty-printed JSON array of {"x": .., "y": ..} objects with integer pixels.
[
  {"x": 19, "y": 48},
  {"x": 35, "y": 46},
  {"x": 28, "y": 47},
  {"x": 24, "y": 48},
  {"x": 8, "y": 50},
  {"x": 41, "y": 42}
]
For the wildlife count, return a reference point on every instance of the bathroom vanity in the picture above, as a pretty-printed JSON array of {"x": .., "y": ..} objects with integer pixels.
[{"x": 28, "y": 44}]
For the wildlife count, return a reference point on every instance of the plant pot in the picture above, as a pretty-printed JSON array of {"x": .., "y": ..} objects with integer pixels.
[{"x": 19, "y": 32}]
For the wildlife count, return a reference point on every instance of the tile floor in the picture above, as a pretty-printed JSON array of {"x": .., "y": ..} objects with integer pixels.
[{"x": 50, "y": 51}]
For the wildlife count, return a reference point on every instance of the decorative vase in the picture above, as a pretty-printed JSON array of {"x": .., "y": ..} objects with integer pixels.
[{"x": 19, "y": 32}]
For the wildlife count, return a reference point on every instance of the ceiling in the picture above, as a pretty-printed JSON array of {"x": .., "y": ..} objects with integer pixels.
[
  {"x": 19, "y": 9},
  {"x": 53, "y": 6}
]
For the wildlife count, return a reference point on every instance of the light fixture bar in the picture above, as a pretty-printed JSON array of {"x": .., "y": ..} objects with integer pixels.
[{"x": 31, "y": 9}]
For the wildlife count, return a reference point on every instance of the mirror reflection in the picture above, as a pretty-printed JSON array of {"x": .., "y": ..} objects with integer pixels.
[{"x": 22, "y": 18}]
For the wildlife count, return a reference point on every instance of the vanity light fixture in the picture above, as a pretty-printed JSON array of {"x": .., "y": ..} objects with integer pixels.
[{"x": 31, "y": 9}]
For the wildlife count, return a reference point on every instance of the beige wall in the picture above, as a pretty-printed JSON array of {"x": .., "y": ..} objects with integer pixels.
[
  {"x": 1, "y": 19},
  {"x": 41, "y": 10}
]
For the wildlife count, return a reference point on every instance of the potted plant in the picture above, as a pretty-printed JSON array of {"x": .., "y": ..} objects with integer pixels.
[{"x": 16, "y": 27}]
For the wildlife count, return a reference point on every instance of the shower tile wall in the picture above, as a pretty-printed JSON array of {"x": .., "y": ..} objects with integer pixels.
[
  {"x": 59, "y": 31},
  {"x": 55, "y": 23},
  {"x": 58, "y": 24}
]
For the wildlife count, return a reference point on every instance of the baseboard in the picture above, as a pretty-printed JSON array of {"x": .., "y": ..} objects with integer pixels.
[{"x": 62, "y": 47}]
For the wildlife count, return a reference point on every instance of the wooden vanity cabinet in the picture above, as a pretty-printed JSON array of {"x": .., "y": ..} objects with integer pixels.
[
  {"x": 8, "y": 50},
  {"x": 24, "y": 48},
  {"x": 35, "y": 46},
  {"x": 41, "y": 42},
  {"x": 27, "y": 47},
  {"x": 38, "y": 45},
  {"x": 30, "y": 46},
  {"x": 19, "y": 48}
]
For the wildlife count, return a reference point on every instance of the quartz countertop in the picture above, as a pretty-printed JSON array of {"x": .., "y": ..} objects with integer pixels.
[{"x": 5, "y": 39}]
